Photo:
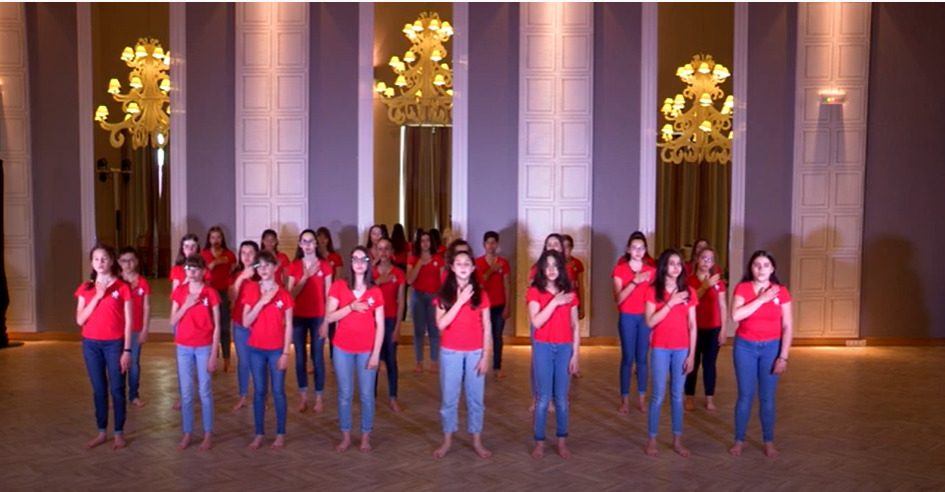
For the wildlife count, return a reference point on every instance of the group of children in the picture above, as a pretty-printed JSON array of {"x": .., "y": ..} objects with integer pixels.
[{"x": 671, "y": 322}]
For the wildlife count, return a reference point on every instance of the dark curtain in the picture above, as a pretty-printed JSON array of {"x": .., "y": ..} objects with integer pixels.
[
  {"x": 693, "y": 201},
  {"x": 427, "y": 165}
]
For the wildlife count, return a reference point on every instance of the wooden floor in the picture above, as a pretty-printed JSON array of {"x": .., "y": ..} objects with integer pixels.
[{"x": 868, "y": 418}]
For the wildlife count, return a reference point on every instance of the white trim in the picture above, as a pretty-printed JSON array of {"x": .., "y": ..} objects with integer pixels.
[
  {"x": 736, "y": 239},
  {"x": 86, "y": 129},
  {"x": 178, "y": 133},
  {"x": 365, "y": 117},
  {"x": 460, "y": 166},
  {"x": 649, "y": 58}
]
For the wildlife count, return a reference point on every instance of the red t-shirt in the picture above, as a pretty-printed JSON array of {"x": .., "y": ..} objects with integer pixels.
[
  {"x": 389, "y": 287},
  {"x": 673, "y": 331},
  {"x": 107, "y": 321},
  {"x": 195, "y": 328},
  {"x": 494, "y": 286},
  {"x": 355, "y": 332},
  {"x": 310, "y": 301},
  {"x": 465, "y": 332},
  {"x": 765, "y": 323},
  {"x": 236, "y": 313},
  {"x": 707, "y": 312},
  {"x": 282, "y": 267},
  {"x": 138, "y": 292},
  {"x": 334, "y": 259},
  {"x": 633, "y": 304},
  {"x": 268, "y": 330},
  {"x": 428, "y": 280},
  {"x": 401, "y": 258},
  {"x": 178, "y": 274},
  {"x": 220, "y": 274},
  {"x": 558, "y": 328}
]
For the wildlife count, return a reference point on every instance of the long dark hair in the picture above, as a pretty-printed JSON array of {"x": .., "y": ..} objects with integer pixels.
[
  {"x": 748, "y": 276},
  {"x": 554, "y": 235},
  {"x": 298, "y": 249},
  {"x": 180, "y": 249},
  {"x": 436, "y": 239},
  {"x": 383, "y": 227},
  {"x": 662, "y": 269},
  {"x": 115, "y": 270},
  {"x": 222, "y": 236},
  {"x": 239, "y": 266},
  {"x": 562, "y": 283},
  {"x": 635, "y": 236},
  {"x": 323, "y": 231},
  {"x": 453, "y": 248},
  {"x": 368, "y": 272},
  {"x": 398, "y": 238},
  {"x": 450, "y": 286},
  {"x": 434, "y": 244},
  {"x": 268, "y": 232}
]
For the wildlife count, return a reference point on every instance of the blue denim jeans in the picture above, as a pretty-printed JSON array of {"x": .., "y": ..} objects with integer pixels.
[
  {"x": 241, "y": 340},
  {"x": 634, "y": 345},
  {"x": 458, "y": 372},
  {"x": 346, "y": 365},
  {"x": 498, "y": 326},
  {"x": 667, "y": 362},
  {"x": 265, "y": 367},
  {"x": 389, "y": 357},
  {"x": 552, "y": 380},
  {"x": 424, "y": 323},
  {"x": 224, "y": 323},
  {"x": 192, "y": 363},
  {"x": 754, "y": 363},
  {"x": 303, "y": 329},
  {"x": 134, "y": 370},
  {"x": 103, "y": 363}
]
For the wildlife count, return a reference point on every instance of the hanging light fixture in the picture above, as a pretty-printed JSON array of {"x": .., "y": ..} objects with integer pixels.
[
  {"x": 701, "y": 133},
  {"x": 422, "y": 92}
]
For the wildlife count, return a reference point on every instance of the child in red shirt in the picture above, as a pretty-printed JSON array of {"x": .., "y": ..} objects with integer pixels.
[
  {"x": 243, "y": 275},
  {"x": 424, "y": 275},
  {"x": 270, "y": 242},
  {"x": 141, "y": 317},
  {"x": 495, "y": 276},
  {"x": 220, "y": 261},
  {"x": 391, "y": 280},
  {"x": 710, "y": 319}
]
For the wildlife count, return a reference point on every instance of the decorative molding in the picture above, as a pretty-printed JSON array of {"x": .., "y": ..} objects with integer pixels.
[
  {"x": 736, "y": 238},
  {"x": 649, "y": 58},
  {"x": 460, "y": 161},
  {"x": 15, "y": 150},
  {"x": 833, "y": 44},
  {"x": 365, "y": 117},
  {"x": 272, "y": 91},
  {"x": 178, "y": 132},
  {"x": 556, "y": 117}
]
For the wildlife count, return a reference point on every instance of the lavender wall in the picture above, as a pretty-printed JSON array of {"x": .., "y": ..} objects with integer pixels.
[
  {"x": 54, "y": 131},
  {"x": 616, "y": 149},
  {"x": 903, "y": 263},
  {"x": 333, "y": 99},
  {"x": 211, "y": 180},
  {"x": 772, "y": 47},
  {"x": 493, "y": 124}
]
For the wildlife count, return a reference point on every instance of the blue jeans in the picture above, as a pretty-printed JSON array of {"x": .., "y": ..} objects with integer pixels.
[
  {"x": 389, "y": 357},
  {"x": 134, "y": 370},
  {"x": 424, "y": 322},
  {"x": 458, "y": 371},
  {"x": 754, "y": 365},
  {"x": 241, "y": 339},
  {"x": 707, "y": 352},
  {"x": 498, "y": 325},
  {"x": 552, "y": 380},
  {"x": 302, "y": 329},
  {"x": 265, "y": 366},
  {"x": 634, "y": 345},
  {"x": 667, "y": 362},
  {"x": 191, "y": 362},
  {"x": 224, "y": 323},
  {"x": 346, "y": 364},
  {"x": 103, "y": 362}
]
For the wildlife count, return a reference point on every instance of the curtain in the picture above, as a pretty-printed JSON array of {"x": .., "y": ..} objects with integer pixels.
[
  {"x": 428, "y": 184},
  {"x": 692, "y": 202}
]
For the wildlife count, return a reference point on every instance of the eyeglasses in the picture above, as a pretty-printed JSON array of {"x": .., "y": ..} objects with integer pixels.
[
  {"x": 360, "y": 259},
  {"x": 192, "y": 268}
]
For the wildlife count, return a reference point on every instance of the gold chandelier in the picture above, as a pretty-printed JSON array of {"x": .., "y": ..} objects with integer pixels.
[
  {"x": 146, "y": 117},
  {"x": 423, "y": 94},
  {"x": 700, "y": 133}
]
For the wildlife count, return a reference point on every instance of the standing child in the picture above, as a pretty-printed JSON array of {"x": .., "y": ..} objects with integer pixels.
[
  {"x": 710, "y": 315},
  {"x": 244, "y": 274},
  {"x": 141, "y": 318},
  {"x": 424, "y": 274},
  {"x": 495, "y": 275},
  {"x": 391, "y": 280},
  {"x": 270, "y": 242},
  {"x": 220, "y": 262},
  {"x": 632, "y": 276}
]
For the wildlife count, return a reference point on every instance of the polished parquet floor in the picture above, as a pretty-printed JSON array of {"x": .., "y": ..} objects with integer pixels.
[{"x": 868, "y": 418}]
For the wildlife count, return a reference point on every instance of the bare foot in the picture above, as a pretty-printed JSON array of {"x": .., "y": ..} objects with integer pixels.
[
  {"x": 651, "y": 449},
  {"x": 771, "y": 451},
  {"x": 689, "y": 403},
  {"x": 303, "y": 404},
  {"x": 419, "y": 368},
  {"x": 184, "y": 442},
  {"x": 119, "y": 442},
  {"x": 257, "y": 442},
  {"x": 99, "y": 438},
  {"x": 207, "y": 442},
  {"x": 624, "y": 407},
  {"x": 345, "y": 442},
  {"x": 563, "y": 450},
  {"x": 137, "y": 403},
  {"x": 394, "y": 407},
  {"x": 481, "y": 450},
  {"x": 226, "y": 365},
  {"x": 499, "y": 375},
  {"x": 445, "y": 447},
  {"x": 641, "y": 404},
  {"x": 177, "y": 405},
  {"x": 531, "y": 408},
  {"x": 736, "y": 449},
  {"x": 319, "y": 404},
  {"x": 710, "y": 403},
  {"x": 279, "y": 443},
  {"x": 365, "y": 442},
  {"x": 240, "y": 403},
  {"x": 539, "y": 451},
  {"x": 679, "y": 448}
]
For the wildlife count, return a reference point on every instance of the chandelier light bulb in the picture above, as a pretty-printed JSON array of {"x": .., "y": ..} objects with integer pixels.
[
  {"x": 449, "y": 92},
  {"x": 158, "y": 53},
  {"x": 705, "y": 99},
  {"x": 380, "y": 87},
  {"x": 140, "y": 52},
  {"x": 136, "y": 82},
  {"x": 434, "y": 25},
  {"x": 417, "y": 26},
  {"x": 165, "y": 85},
  {"x": 419, "y": 94},
  {"x": 436, "y": 56},
  {"x": 706, "y": 126},
  {"x": 409, "y": 56},
  {"x": 704, "y": 68},
  {"x": 389, "y": 92},
  {"x": 446, "y": 29},
  {"x": 128, "y": 54},
  {"x": 101, "y": 113},
  {"x": 133, "y": 108},
  {"x": 394, "y": 61},
  {"x": 401, "y": 81},
  {"x": 114, "y": 86},
  {"x": 439, "y": 80}
]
